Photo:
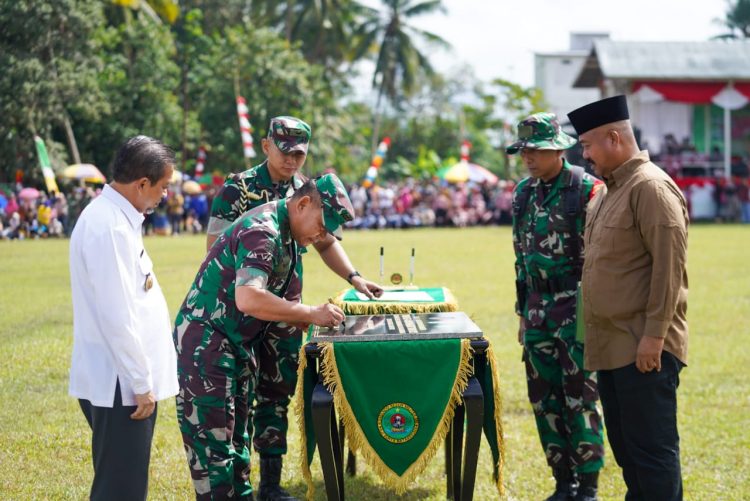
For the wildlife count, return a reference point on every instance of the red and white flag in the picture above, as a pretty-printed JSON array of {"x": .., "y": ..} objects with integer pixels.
[{"x": 247, "y": 138}]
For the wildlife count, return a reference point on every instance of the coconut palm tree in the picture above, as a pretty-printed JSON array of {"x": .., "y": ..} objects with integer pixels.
[
  {"x": 737, "y": 19},
  {"x": 326, "y": 29},
  {"x": 399, "y": 61}
]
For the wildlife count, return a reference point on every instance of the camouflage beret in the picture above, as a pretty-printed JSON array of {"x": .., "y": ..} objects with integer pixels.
[
  {"x": 541, "y": 131},
  {"x": 289, "y": 134},
  {"x": 337, "y": 208}
]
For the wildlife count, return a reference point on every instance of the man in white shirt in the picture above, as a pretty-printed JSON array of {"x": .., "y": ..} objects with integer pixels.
[{"x": 123, "y": 358}]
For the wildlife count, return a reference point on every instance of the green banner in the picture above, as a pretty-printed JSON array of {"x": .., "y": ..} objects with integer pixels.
[
  {"x": 397, "y": 395},
  {"x": 437, "y": 294},
  {"x": 441, "y": 300},
  {"x": 397, "y": 403}
]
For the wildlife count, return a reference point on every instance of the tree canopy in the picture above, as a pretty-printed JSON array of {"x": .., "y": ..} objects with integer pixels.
[{"x": 86, "y": 75}]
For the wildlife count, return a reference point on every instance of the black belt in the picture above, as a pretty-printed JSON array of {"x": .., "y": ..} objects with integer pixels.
[{"x": 552, "y": 285}]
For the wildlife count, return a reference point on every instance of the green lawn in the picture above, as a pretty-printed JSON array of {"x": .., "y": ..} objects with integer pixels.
[{"x": 44, "y": 439}]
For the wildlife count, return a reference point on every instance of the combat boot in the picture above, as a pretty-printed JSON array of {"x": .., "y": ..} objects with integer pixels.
[
  {"x": 565, "y": 485},
  {"x": 270, "y": 478},
  {"x": 589, "y": 483}
]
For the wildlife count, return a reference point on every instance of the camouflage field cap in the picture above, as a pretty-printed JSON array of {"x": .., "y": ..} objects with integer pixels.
[
  {"x": 337, "y": 208},
  {"x": 541, "y": 131},
  {"x": 289, "y": 134}
]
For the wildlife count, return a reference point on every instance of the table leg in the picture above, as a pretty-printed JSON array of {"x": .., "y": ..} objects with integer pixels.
[
  {"x": 351, "y": 463},
  {"x": 325, "y": 426},
  {"x": 338, "y": 453},
  {"x": 456, "y": 450},
  {"x": 448, "y": 463},
  {"x": 342, "y": 435},
  {"x": 474, "y": 402}
]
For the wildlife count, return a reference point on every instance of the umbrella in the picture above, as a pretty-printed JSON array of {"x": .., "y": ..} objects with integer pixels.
[
  {"x": 29, "y": 193},
  {"x": 191, "y": 187},
  {"x": 464, "y": 171},
  {"x": 87, "y": 172}
]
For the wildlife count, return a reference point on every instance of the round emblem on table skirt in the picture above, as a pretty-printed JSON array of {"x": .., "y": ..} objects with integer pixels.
[{"x": 398, "y": 423}]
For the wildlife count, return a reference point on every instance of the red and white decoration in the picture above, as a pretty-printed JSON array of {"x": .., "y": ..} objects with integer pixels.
[
  {"x": 732, "y": 96},
  {"x": 200, "y": 164},
  {"x": 465, "y": 149},
  {"x": 377, "y": 161},
  {"x": 661, "y": 107},
  {"x": 247, "y": 138}
]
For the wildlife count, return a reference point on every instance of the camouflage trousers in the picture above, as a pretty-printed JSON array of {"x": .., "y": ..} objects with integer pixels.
[
  {"x": 277, "y": 354},
  {"x": 212, "y": 411},
  {"x": 563, "y": 397}
]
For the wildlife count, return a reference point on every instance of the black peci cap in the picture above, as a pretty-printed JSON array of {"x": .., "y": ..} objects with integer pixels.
[{"x": 598, "y": 113}]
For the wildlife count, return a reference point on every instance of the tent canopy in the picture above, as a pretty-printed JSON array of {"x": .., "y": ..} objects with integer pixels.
[{"x": 711, "y": 61}]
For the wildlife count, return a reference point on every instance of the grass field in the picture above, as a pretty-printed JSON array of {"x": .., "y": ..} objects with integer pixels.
[{"x": 44, "y": 439}]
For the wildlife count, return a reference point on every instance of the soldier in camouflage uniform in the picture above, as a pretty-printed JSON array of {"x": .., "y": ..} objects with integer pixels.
[
  {"x": 548, "y": 222},
  {"x": 238, "y": 293},
  {"x": 277, "y": 353}
]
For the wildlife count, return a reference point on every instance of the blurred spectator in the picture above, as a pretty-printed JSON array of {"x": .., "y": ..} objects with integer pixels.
[
  {"x": 730, "y": 207},
  {"x": 743, "y": 193},
  {"x": 175, "y": 211},
  {"x": 12, "y": 205}
]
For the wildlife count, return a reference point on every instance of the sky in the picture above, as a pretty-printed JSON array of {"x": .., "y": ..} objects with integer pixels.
[{"x": 498, "y": 38}]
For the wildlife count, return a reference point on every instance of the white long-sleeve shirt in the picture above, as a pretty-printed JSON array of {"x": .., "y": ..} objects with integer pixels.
[{"x": 120, "y": 329}]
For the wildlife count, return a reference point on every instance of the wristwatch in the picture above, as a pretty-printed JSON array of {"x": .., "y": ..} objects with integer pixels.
[{"x": 353, "y": 274}]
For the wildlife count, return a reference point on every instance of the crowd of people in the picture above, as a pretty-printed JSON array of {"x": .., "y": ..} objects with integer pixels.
[
  {"x": 415, "y": 204},
  {"x": 409, "y": 203},
  {"x": 42, "y": 216}
]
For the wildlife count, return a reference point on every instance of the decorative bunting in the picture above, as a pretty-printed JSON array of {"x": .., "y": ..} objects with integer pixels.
[{"x": 377, "y": 161}]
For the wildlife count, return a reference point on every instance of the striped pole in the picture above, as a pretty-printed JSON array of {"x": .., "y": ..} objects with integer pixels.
[{"x": 247, "y": 138}]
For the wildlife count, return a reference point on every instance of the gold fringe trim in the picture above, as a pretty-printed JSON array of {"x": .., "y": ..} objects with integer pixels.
[
  {"x": 379, "y": 308},
  {"x": 356, "y": 437},
  {"x": 497, "y": 473},
  {"x": 299, "y": 404}
]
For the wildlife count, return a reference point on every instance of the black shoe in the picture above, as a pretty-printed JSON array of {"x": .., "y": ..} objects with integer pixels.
[
  {"x": 270, "y": 477},
  {"x": 566, "y": 486},
  {"x": 588, "y": 487}
]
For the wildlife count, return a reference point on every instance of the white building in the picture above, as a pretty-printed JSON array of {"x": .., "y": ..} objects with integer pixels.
[
  {"x": 555, "y": 73},
  {"x": 694, "y": 91}
]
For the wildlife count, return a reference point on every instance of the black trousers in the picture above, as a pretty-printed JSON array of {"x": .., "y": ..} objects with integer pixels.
[
  {"x": 121, "y": 450},
  {"x": 640, "y": 415}
]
